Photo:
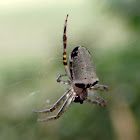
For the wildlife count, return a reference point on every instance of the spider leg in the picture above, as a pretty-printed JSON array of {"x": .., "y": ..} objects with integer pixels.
[
  {"x": 95, "y": 102},
  {"x": 59, "y": 102},
  {"x": 62, "y": 109},
  {"x": 62, "y": 81},
  {"x": 100, "y": 87},
  {"x": 64, "y": 48},
  {"x": 98, "y": 100}
]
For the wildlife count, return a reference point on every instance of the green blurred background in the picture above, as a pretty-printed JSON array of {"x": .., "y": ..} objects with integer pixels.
[{"x": 31, "y": 59}]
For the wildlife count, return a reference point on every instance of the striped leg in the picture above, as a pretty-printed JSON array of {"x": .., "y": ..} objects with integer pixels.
[
  {"x": 100, "y": 87},
  {"x": 61, "y": 81},
  {"x": 64, "y": 49},
  {"x": 96, "y": 102},
  {"x": 62, "y": 110},
  {"x": 59, "y": 102}
]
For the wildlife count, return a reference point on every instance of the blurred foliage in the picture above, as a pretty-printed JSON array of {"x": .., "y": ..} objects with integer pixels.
[
  {"x": 128, "y": 10},
  {"x": 31, "y": 59}
]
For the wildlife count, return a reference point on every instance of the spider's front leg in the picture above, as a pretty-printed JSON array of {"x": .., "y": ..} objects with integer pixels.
[
  {"x": 100, "y": 87},
  {"x": 59, "y": 102},
  {"x": 62, "y": 110},
  {"x": 98, "y": 100},
  {"x": 62, "y": 81}
]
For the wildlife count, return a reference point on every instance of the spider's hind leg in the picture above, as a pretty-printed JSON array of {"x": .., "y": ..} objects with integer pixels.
[
  {"x": 64, "y": 48},
  {"x": 59, "y": 102},
  {"x": 62, "y": 110}
]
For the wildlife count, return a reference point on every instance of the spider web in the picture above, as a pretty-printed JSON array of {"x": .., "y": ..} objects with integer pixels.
[{"x": 25, "y": 92}]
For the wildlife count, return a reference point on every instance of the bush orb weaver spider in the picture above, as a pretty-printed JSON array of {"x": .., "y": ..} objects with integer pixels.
[{"x": 82, "y": 77}]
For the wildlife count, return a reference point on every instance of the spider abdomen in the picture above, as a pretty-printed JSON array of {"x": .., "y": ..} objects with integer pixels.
[{"x": 82, "y": 68}]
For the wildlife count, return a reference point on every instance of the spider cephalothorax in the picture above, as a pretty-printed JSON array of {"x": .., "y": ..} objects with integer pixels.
[{"x": 82, "y": 77}]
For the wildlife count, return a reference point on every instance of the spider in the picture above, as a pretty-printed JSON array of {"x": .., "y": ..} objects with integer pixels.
[{"x": 83, "y": 79}]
